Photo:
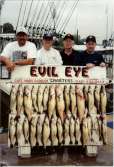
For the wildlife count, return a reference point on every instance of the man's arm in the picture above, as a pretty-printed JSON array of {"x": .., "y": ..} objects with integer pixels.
[
  {"x": 9, "y": 64},
  {"x": 24, "y": 62}
]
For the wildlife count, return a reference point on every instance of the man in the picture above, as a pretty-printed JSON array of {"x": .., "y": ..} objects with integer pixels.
[
  {"x": 68, "y": 54},
  {"x": 20, "y": 52},
  {"x": 47, "y": 55},
  {"x": 90, "y": 57}
]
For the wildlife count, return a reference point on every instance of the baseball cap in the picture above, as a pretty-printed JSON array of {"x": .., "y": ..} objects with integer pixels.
[
  {"x": 68, "y": 36},
  {"x": 48, "y": 36},
  {"x": 90, "y": 38},
  {"x": 22, "y": 29}
]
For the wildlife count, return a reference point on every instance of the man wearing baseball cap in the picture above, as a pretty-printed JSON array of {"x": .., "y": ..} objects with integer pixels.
[
  {"x": 68, "y": 54},
  {"x": 19, "y": 52},
  {"x": 47, "y": 55},
  {"x": 90, "y": 57}
]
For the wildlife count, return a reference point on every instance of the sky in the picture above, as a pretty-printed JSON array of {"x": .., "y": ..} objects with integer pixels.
[{"x": 90, "y": 17}]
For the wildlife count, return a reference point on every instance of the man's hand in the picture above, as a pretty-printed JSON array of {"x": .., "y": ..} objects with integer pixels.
[
  {"x": 90, "y": 65},
  {"x": 10, "y": 66},
  {"x": 102, "y": 65}
]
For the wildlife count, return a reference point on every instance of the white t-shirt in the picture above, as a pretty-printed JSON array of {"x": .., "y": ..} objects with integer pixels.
[
  {"x": 15, "y": 52},
  {"x": 48, "y": 57}
]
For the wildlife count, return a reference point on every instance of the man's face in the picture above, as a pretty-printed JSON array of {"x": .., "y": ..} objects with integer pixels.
[
  {"x": 90, "y": 46},
  {"x": 22, "y": 38},
  {"x": 47, "y": 43},
  {"x": 68, "y": 43}
]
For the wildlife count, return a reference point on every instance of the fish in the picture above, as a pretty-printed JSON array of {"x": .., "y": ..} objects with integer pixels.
[
  {"x": 40, "y": 122},
  {"x": 19, "y": 99},
  {"x": 85, "y": 131},
  {"x": 13, "y": 94},
  {"x": 66, "y": 131},
  {"x": 40, "y": 99},
  {"x": 33, "y": 129},
  {"x": 51, "y": 101},
  {"x": 73, "y": 100},
  {"x": 12, "y": 131},
  {"x": 60, "y": 102},
  {"x": 46, "y": 132},
  {"x": 53, "y": 126},
  {"x": 97, "y": 97},
  {"x": 80, "y": 103},
  {"x": 77, "y": 131},
  {"x": 28, "y": 102},
  {"x": 45, "y": 98},
  {"x": 99, "y": 127},
  {"x": 85, "y": 92},
  {"x": 90, "y": 99},
  {"x": 104, "y": 130},
  {"x": 26, "y": 130},
  {"x": 60, "y": 131},
  {"x": 89, "y": 125},
  {"x": 20, "y": 130},
  {"x": 103, "y": 99},
  {"x": 72, "y": 130},
  {"x": 67, "y": 98},
  {"x": 34, "y": 98}
]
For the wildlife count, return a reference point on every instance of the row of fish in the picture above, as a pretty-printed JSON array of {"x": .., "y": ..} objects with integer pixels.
[
  {"x": 42, "y": 131},
  {"x": 81, "y": 101}
]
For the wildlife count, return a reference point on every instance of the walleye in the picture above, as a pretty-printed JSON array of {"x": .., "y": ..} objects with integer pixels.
[
  {"x": 80, "y": 103},
  {"x": 26, "y": 130},
  {"x": 60, "y": 102},
  {"x": 13, "y": 99},
  {"x": 97, "y": 97},
  {"x": 67, "y": 98},
  {"x": 77, "y": 131},
  {"x": 45, "y": 98},
  {"x": 20, "y": 133},
  {"x": 12, "y": 131},
  {"x": 103, "y": 99},
  {"x": 40, "y": 122},
  {"x": 85, "y": 131},
  {"x": 60, "y": 130},
  {"x": 54, "y": 131},
  {"x": 89, "y": 125},
  {"x": 40, "y": 99},
  {"x": 46, "y": 132},
  {"x": 51, "y": 101},
  {"x": 66, "y": 132},
  {"x": 104, "y": 130},
  {"x": 19, "y": 99},
  {"x": 28, "y": 102},
  {"x": 85, "y": 91},
  {"x": 73, "y": 100},
  {"x": 34, "y": 98},
  {"x": 90, "y": 99},
  {"x": 33, "y": 129},
  {"x": 72, "y": 126}
]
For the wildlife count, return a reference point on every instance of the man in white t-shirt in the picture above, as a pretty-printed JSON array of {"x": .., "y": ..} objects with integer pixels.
[
  {"x": 20, "y": 52},
  {"x": 47, "y": 55}
]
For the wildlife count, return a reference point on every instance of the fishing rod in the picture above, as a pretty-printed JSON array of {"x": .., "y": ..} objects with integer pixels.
[
  {"x": 24, "y": 14},
  {"x": 70, "y": 15},
  {"x": 19, "y": 14},
  {"x": 29, "y": 13}
]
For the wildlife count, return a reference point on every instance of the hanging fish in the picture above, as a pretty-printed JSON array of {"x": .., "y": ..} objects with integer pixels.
[
  {"x": 66, "y": 132},
  {"x": 67, "y": 98},
  {"x": 40, "y": 99},
  {"x": 28, "y": 102},
  {"x": 54, "y": 131},
  {"x": 46, "y": 132},
  {"x": 26, "y": 130},
  {"x": 89, "y": 125},
  {"x": 73, "y": 101},
  {"x": 12, "y": 131},
  {"x": 85, "y": 131},
  {"x": 104, "y": 130},
  {"x": 85, "y": 91},
  {"x": 13, "y": 99},
  {"x": 97, "y": 97},
  {"x": 90, "y": 99},
  {"x": 51, "y": 101},
  {"x": 60, "y": 102},
  {"x": 60, "y": 131},
  {"x": 19, "y": 99},
  {"x": 77, "y": 131},
  {"x": 72, "y": 130},
  {"x": 103, "y": 99},
  {"x": 45, "y": 98},
  {"x": 34, "y": 98}
]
